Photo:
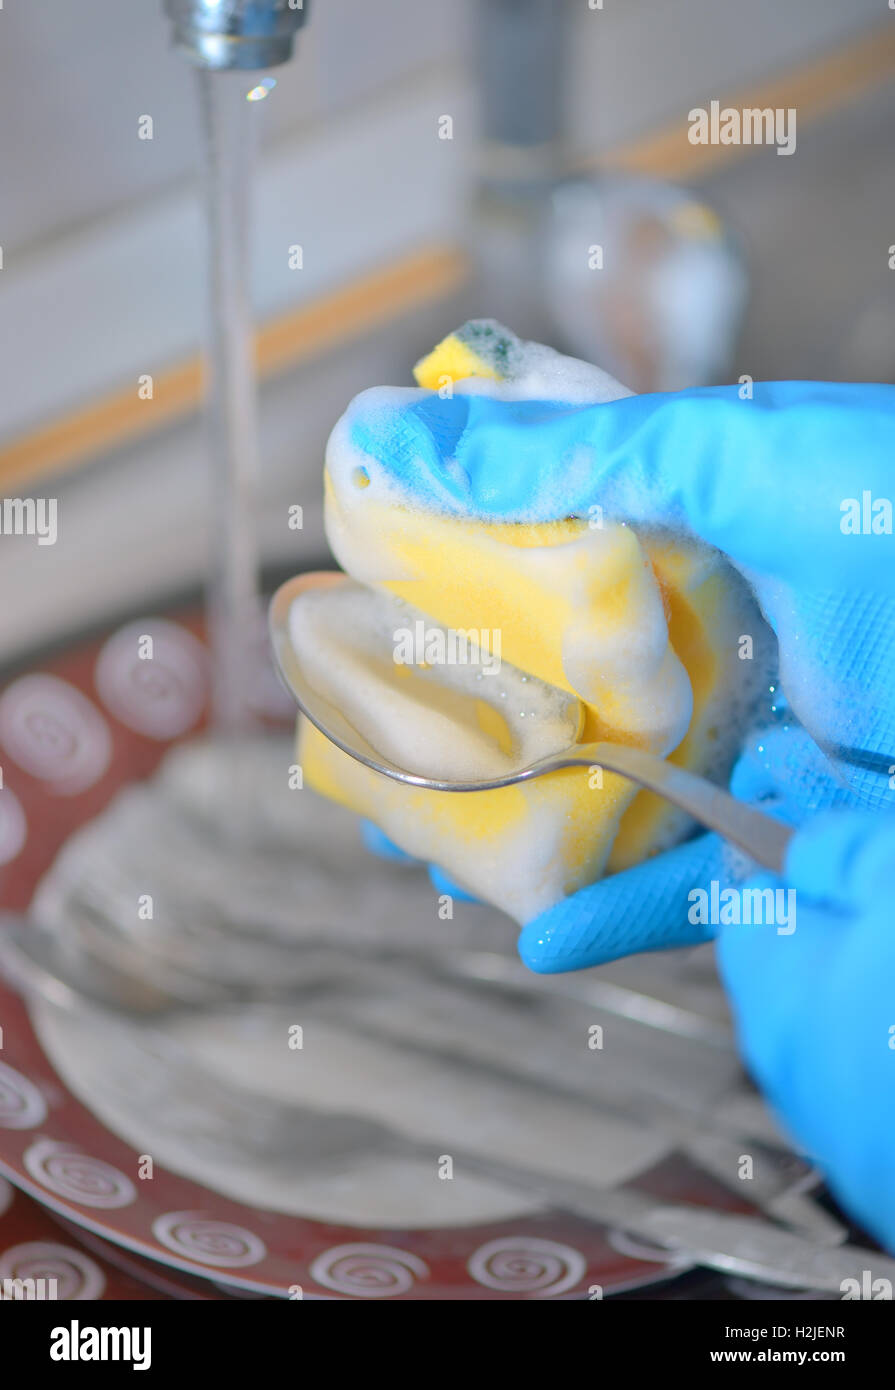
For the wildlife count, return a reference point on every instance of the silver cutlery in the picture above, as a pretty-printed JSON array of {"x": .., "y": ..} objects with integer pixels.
[
  {"x": 758, "y": 835},
  {"x": 255, "y": 1126}
]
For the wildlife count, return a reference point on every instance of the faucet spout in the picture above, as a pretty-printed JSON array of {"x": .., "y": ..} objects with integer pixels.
[{"x": 245, "y": 34}]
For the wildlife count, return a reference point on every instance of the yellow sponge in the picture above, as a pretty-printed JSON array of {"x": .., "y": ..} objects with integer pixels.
[
  {"x": 641, "y": 630},
  {"x": 480, "y": 348}
]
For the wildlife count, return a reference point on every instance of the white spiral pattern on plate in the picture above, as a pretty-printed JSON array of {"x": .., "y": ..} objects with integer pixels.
[
  {"x": 207, "y": 1240},
  {"x": 161, "y": 697},
  {"x": 527, "y": 1264},
  {"x": 62, "y": 1169},
  {"x": 368, "y": 1271},
  {"x": 76, "y": 1275},
  {"x": 54, "y": 733},
  {"x": 21, "y": 1104},
  {"x": 13, "y": 826}
]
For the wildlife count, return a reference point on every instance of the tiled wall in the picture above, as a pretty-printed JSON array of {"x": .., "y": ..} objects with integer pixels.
[
  {"x": 76, "y": 74},
  {"x": 102, "y": 273}
]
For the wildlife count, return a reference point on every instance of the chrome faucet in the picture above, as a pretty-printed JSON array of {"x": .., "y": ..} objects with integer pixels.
[{"x": 228, "y": 34}]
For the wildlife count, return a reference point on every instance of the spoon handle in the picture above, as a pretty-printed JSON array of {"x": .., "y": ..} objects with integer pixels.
[{"x": 758, "y": 835}]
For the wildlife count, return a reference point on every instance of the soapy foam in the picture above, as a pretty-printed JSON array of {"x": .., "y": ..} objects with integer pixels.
[
  {"x": 544, "y": 374},
  {"x": 537, "y": 372},
  {"x": 534, "y": 371},
  {"x": 500, "y": 359},
  {"x": 450, "y": 721},
  {"x": 588, "y": 608},
  {"x": 591, "y": 598}
]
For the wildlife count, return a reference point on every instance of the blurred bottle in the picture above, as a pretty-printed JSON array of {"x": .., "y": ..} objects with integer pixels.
[
  {"x": 664, "y": 309},
  {"x": 642, "y": 278}
]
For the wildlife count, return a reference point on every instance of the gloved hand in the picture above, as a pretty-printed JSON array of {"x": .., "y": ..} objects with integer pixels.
[
  {"x": 815, "y": 1008},
  {"x": 769, "y": 481}
]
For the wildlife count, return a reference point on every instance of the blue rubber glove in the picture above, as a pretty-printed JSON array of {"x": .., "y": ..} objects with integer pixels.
[
  {"x": 768, "y": 481},
  {"x": 815, "y": 1007}
]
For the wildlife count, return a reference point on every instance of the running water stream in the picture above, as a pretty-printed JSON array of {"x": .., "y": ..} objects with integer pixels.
[{"x": 233, "y": 602}]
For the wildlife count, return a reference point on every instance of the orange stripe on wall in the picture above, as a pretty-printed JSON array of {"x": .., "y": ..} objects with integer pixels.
[
  {"x": 815, "y": 89},
  {"x": 285, "y": 341}
]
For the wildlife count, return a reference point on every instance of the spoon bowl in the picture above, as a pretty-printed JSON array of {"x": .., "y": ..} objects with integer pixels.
[{"x": 762, "y": 838}]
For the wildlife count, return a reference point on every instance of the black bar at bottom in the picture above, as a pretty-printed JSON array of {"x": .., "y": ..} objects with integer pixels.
[{"x": 265, "y": 1338}]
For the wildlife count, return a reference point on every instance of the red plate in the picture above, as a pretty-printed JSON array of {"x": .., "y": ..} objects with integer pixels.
[
  {"x": 32, "y": 1246},
  {"x": 73, "y": 733}
]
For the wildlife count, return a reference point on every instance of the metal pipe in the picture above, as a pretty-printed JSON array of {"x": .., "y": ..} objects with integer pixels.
[
  {"x": 229, "y": 34},
  {"x": 521, "y": 51}
]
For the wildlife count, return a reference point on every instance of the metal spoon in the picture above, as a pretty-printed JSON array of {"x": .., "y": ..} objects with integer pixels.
[{"x": 763, "y": 839}]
